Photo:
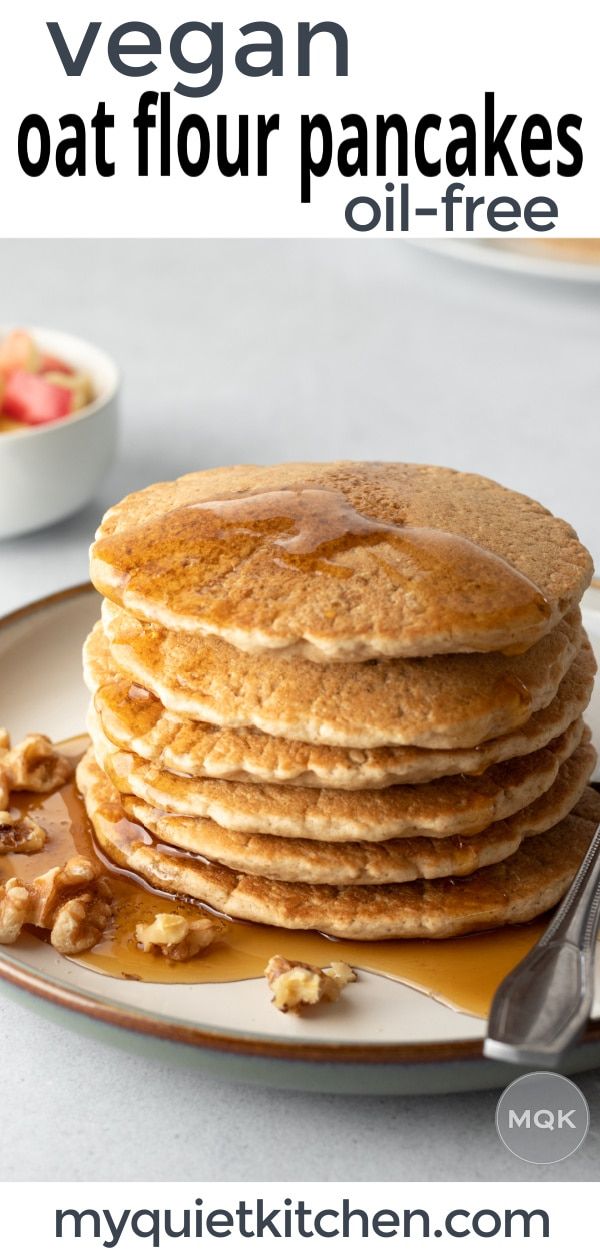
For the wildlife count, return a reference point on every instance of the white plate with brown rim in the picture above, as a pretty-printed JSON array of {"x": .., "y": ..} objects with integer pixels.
[{"x": 384, "y": 1036}]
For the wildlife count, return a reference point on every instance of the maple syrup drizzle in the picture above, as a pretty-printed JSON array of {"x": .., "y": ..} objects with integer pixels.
[
  {"x": 309, "y": 528},
  {"x": 462, "y": 973}
]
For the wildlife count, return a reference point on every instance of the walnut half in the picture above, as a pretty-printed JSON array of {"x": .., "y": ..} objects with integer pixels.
[
  {"x": 20, "y": 835},
  {"x": 34, "y": 765},
  {"x": 76, "y": 922},
  {"x": 295, "y": 985},
  {"x": 15, "y": 908},
  {"x": 177, "y": 937},
  {"x": 80, "y": 923}
]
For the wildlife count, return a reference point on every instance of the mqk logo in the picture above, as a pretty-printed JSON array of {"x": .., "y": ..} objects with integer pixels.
[{"x": 542, "y": 1118}]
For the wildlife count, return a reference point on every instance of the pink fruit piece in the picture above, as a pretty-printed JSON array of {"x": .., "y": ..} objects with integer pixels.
[
  {"x": 34, "y": 400},
  {"x": 50, "y": 363}
]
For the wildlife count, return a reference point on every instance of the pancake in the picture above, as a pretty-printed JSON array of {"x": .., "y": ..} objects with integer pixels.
[
  {"x": 395, "y": 861},
  {"x": 134, "y": 719},
  {"x": 443, "y": 808},
  {"x": 436, "y": 702},
  {"x": 512, "y": 891},
  {"x": 345, "y": 561}
]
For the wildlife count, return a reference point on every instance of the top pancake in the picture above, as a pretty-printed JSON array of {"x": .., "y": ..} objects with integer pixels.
[{"x": 343, "y": 561}]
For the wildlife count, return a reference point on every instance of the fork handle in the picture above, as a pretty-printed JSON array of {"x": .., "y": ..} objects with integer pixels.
[{"x": 542, "y": 1006}]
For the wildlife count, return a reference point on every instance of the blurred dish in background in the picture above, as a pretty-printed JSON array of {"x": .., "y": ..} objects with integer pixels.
[
  {"x": 585, "y": 249},
  {"x": 556, "y": 259}
]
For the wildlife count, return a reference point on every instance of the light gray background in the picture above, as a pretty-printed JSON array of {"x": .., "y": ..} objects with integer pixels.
[{"x": 265, "y": 351}]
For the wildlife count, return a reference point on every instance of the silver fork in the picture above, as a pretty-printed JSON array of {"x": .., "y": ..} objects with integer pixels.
[{"x": 543, "y": 1005}]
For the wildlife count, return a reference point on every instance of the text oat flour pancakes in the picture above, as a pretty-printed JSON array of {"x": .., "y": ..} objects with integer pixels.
[{"x": 345, "y": 697}]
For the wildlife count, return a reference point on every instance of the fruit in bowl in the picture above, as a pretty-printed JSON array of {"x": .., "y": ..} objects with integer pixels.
[
  {"x": 38, "y": 388},
  {"x": 59, "y": 414}
]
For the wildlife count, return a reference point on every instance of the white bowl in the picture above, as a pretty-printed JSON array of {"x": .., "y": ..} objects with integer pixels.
[{"x": 49, "y": 472}]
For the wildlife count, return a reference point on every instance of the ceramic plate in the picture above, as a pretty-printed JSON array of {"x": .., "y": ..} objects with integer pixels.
[
  {"x": 384, "y": 1037},
  {"x": 503, "y": 256}
]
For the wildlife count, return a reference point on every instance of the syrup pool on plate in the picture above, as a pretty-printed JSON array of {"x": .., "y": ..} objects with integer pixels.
[{"x": 463, "y": 973}]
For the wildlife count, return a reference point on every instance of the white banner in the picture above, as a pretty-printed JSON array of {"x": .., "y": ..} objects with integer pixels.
[
  {"x": 232, "y": 1219},
  {"x": 332, "y": 118}
]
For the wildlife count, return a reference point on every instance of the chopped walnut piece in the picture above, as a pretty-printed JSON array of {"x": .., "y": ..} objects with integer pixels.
[
  {"x": 76, "y": 923},
  {"x": 341, "y": 973},
  {"x": 34, "y": 765},
  {"x": 51, "y": 890},
  {"x": 20, "y": 835},
  {"x": 177, "y": 937},
  {"x": 4, "y": 788},
  {"x": 297, "y": 984},
  {"x": 15, "y": 905},
  {"x": 80, "y": 922}
]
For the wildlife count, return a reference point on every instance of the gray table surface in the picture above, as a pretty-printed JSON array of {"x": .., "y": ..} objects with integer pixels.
[{"x": 264, "y": 351}]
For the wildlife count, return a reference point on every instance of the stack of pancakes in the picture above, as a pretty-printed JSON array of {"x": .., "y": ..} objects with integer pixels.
[{"x": 345, "y": 697}]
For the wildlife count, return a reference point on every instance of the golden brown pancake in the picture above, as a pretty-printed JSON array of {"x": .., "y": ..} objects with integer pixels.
[
  {"x": 345, "y": 561},
  {"x": 444, "y": 808},
  {"x": 437, "y": 702},
  {"x": 512, "y": 891},
  {"x": 134, "y": 719},
  {"x": 393, "y": 861}
]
